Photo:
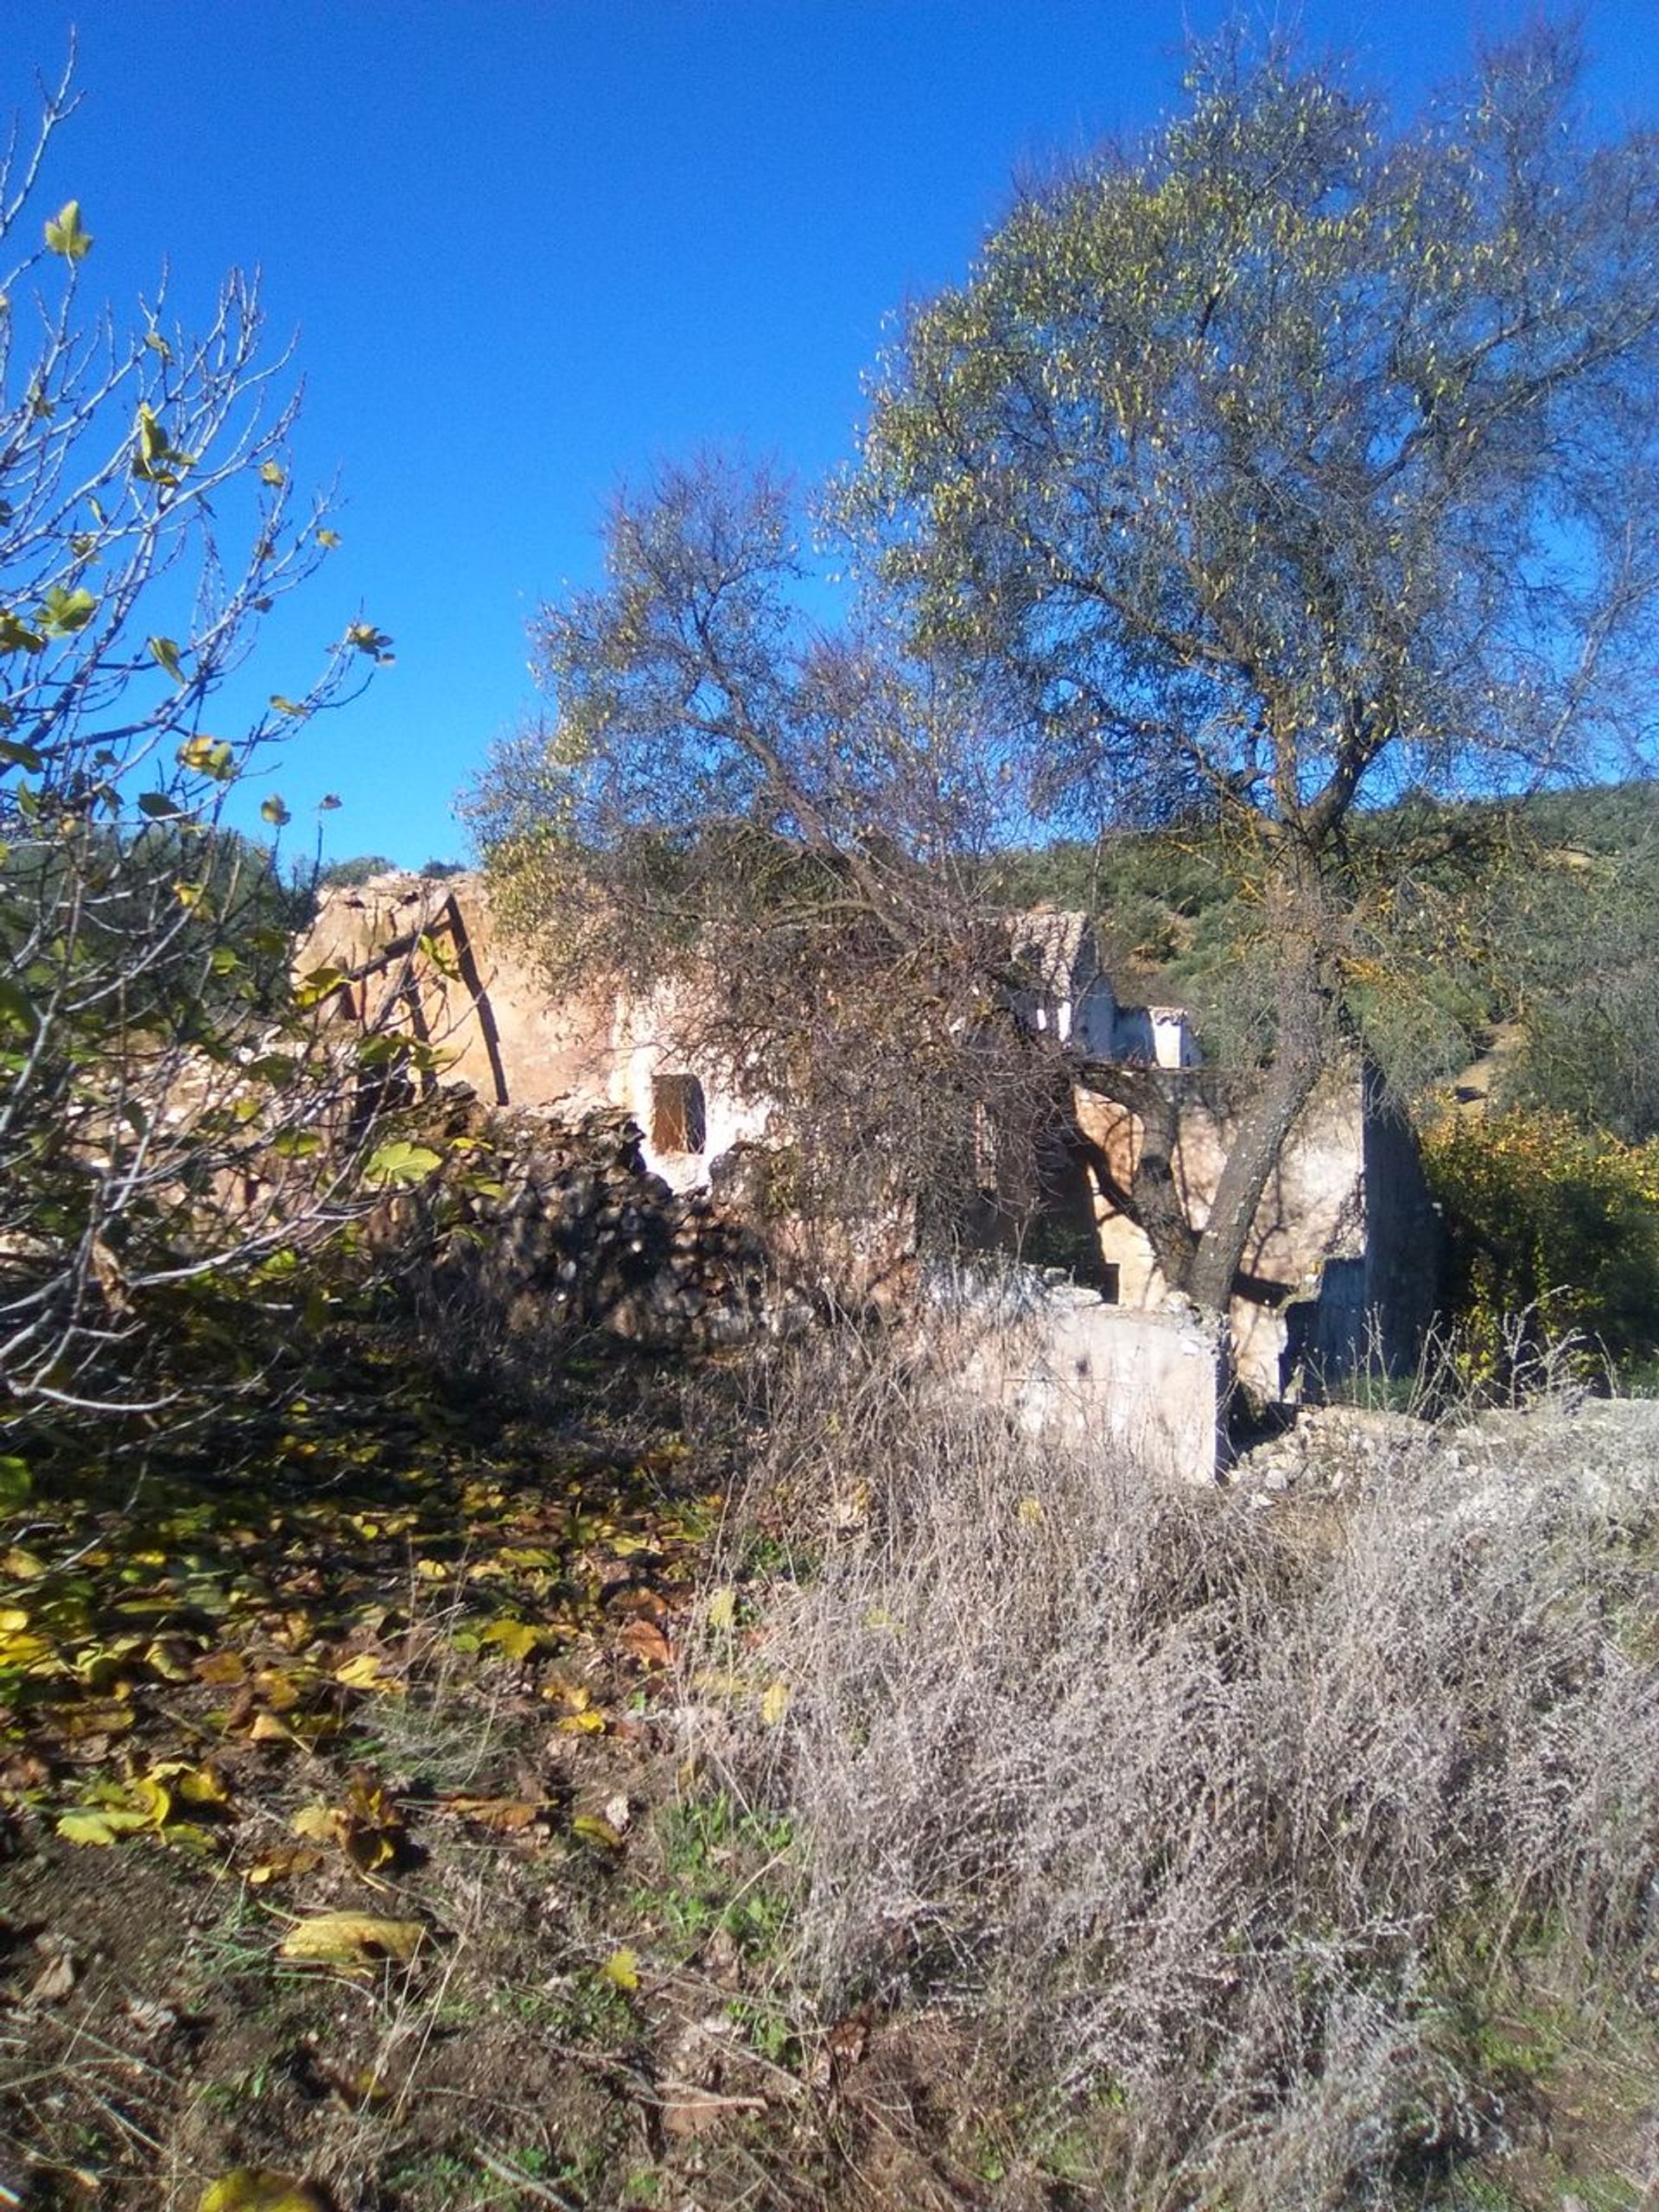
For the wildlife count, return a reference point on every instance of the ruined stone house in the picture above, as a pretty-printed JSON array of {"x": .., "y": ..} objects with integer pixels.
[{"x": 1339, "y": 1250}]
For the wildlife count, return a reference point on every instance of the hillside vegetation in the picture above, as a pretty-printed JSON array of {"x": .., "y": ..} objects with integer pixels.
[{"x": 1543, "y": 917}]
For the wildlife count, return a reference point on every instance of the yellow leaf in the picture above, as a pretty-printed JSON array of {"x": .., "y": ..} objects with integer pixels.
[
  {"x": 252, "y": 2188},
  {"x": 152, "y": 1798},
  {"x": 268, "y": 1729},
  {"x": 164, "y": 1659},
  {"x": 517, "y": 1639},
  {"x": 98, "y": 1828},
  {"x": 185, "y": 1835},
  {"x": 774, "y": 1704},
  {"x": 22, "y": 1650},
  {"x": 365, "y": 1673},
  {"x": 622, "y": 1969},
  {"x": 198, "y": 1785},
  {"x": 592, "y": 1830},
  {"x": 721, "y": 1609},
  {"x": 321, "y": 1823},
  {"x": 581, "y": 1724},
  {"x": 278, "y": 1866},
  {"x": 351, "y": 1939}
]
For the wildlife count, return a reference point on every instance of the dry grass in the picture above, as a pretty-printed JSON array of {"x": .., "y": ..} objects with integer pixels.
[{"x": 1227, "y": 1842}]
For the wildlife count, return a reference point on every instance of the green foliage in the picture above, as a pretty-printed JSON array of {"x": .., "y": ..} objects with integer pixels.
[
  {"x": 1551, "y": 1220},
  {"x": 348, "y": 875}
]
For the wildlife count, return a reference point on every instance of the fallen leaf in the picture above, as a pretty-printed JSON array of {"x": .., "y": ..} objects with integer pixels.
[
  {"x": 647, "y": 1642},
  {"x": 256, "y": 2190},
  {"x": 279, "y": 1865},
  {"x": 106, "y": 1825},
  {"x": 57, "y": 1977},
  {"x": 622, "y": 1969},
  {"x": 592, "y": 1830},
  {"x": 721, "y": 1609},
  {"x": 365, "y": 1672},
  {"x": 518, "y": 1640},
  {"x": 506, "y": 1814},
  {"x": 351, "y": 1939}
]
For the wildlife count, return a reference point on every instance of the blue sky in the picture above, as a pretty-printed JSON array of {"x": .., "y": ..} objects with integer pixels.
[{"x": 528, "y": 248}]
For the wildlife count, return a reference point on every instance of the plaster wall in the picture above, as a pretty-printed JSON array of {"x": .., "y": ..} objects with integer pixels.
[
  {"x": 1313, "y": 1210},
  {"x": 498, "y": 1027},
  {"x": 1138, "y": 1387}
]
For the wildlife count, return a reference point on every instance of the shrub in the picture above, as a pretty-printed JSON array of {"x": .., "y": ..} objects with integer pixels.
[{"x": 1545, "y": 1215}]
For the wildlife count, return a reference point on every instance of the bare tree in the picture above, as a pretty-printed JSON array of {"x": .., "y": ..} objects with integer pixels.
[
  {"x": 781, "y": 838},
  {"x": 163, "y": 1129}
]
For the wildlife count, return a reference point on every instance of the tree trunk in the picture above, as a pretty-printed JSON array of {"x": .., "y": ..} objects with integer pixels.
[{"x": 1304, "y": 1002}]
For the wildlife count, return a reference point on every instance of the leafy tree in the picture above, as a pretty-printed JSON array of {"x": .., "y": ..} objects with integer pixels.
[
  {"x": 1255, "y": 478},
  {"x": 1555, "y": 1234},
  {"x": 1284, "y": 462},
  {"x": 164, "y": 1153}
]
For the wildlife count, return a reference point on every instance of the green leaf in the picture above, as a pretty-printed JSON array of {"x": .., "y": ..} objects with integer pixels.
[
  {"x": 166, "y": 651},
  {"x": 285, "y": 706},
  {"x": 14, "y": 1482},
  {"x": 272, "y": 810},
  {"x": 14, "y": 754},
  {"x": 319, "y": 984},
  {"x": 328, "y": 538},
  {"x": 16, "y": 635},
  {"x": 271, "y": 473},
  {"x": 400, "y": 1162},
  {"x": 368, "y": 639},
  {"x": 64, "y": 233},
  {"x": 296, "y": 1144},
  {"x": 62, "y": 612},
  {"x": 157, "y": 806}
]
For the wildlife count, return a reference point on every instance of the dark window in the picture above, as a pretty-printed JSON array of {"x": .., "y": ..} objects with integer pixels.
[{"x": 679, "y": 1119}]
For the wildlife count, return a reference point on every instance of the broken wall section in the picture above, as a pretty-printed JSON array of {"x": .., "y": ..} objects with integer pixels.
[{"x": 539, "y": 1224}]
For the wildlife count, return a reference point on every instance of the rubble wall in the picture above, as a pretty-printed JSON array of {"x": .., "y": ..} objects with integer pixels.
[{"x": 539, "y": 1221}]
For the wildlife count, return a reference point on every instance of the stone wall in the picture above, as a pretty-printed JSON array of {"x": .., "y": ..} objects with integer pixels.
[
  {"x": 540, "y": 1222},
  {"x": 1342, "y": 1260},
  {"x": 1141, "y": 1387}
]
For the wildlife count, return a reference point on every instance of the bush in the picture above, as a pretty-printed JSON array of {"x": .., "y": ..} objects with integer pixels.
[{"x": 1547, "y": 1217}]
